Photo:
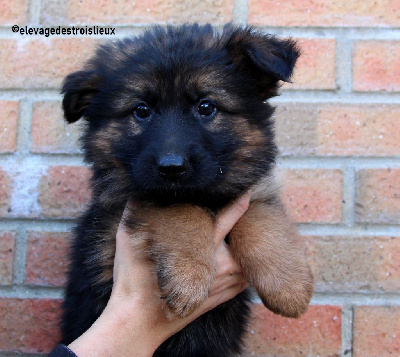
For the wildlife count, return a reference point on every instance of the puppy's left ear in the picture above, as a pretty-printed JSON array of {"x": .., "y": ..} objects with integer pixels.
[{"x": 266, "y": 57}]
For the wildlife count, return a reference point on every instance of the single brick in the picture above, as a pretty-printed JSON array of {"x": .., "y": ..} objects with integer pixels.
[
  {"x": 316, "y": 333},
  {"x": 376, "y": 65},
  {"x": 46, "y": 259},
  {"x": 359, "y": 130},
  {"x": 8, "y": 126},
  {"x": 377, "y": 196},
  {"x": 64, "y": 191},
  {"x": 338, "y": 263},
  {"x": 41, "y": 62},
  {"x": 13, "y": 12},
  {"x": 376, "y": 331},
  {"x": 29, "y": 325},
  {"x": 296, "y": 128},
  {"x": 338, "y": 129},
  {"x": 5, "y": 192},
  {"x": 323, "y": 13},
  {"x": 313, "y": 195},
  {"x": 136, "y": 12},
  {"x": 50, "y": 132},
  {"x": 7, "y": 247},
  {"x": 315, "y": 68}
]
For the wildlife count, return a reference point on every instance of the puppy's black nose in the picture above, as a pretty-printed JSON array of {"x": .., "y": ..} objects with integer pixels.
[{"x": 172, "y": 166}]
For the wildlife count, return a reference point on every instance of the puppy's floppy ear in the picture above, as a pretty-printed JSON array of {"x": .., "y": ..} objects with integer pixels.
[
  {"x": 78, "y": 89},
  {"x": 266, "y": 57}
]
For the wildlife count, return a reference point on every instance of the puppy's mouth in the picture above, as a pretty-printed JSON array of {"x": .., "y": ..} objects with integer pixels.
[
  {"x": 171, "y": 193},
  {"x": 177, "y": 187}
]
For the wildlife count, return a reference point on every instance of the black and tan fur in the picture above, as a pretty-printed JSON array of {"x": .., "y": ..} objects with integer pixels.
[{"x": 178, "y": 75}]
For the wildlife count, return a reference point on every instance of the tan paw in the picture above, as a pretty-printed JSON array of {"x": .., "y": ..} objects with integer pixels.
[
  {"x": 184, "y": 293},
  {"x": 289, "y": 298}
]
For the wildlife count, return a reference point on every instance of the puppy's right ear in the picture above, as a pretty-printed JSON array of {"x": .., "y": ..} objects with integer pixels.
[{"x": 78, "y": 89}]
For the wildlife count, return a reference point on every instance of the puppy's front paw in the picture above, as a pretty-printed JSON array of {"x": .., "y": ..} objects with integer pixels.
[
  {"x": 284, "y": 295},
  {"x": 184, "y": 290}
]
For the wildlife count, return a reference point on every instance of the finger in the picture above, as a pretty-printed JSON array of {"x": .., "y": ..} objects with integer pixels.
[
  {"x": 226, "y": 281},
  {"x": 223, "y": 296},
  {"x": 125, "y": 233},
  {"x": 123, "y": 239},
  {"x": 129, "y": 246},
  {"x": 123, "y": 253},
  {"x": 129, "y": 218},
  {"x": 228, "y": 217},
  {"x": 225, "y": 262}
]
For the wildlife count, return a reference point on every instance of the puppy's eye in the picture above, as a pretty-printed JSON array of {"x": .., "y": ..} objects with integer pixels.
[
  {"x": 141, "y": 111},
  {"x": 207, "y": 108}
]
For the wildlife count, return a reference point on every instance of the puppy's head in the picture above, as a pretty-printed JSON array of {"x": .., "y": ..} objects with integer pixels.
[{"x": 179, "y": 114}]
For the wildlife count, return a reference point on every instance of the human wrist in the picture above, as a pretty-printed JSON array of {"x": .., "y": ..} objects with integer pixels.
[{"x": 117, "y": 332}]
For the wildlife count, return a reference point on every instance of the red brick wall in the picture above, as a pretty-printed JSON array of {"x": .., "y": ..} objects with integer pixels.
[{"x": 338, "y": 129}]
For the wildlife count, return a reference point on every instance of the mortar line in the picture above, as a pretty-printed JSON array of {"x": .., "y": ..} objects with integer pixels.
[
  {"x": 357, "y": 230},
  {"x": 34, "y": 12},
  {"x": 240, "y": 11},
  {"x": 321, "y": 96},
  {"x": 31, "y": 292},
  {"x": 24, "y": 126},
  {"x": 283, "y": 161},
  {"x": 337, "y": 162},
  {"x": 37, "y": 225},
  {"x": 20, "y": 256},
  {"x": 347, "y": 330},
  {"x": 287, "y": 95},
  {"x": 306, "y": 229},
  {"x": 343, "y": 65},
  {"x": 352, "y": 33},
  {"x": 45, "y": 160},
  {"x": 351, "y": 67},
  {"x": 348, "y": 195},
  {"x": 34, "y": 94},
  {"x": 18, "y": 354},
  {"x": 369, "y": 298}
]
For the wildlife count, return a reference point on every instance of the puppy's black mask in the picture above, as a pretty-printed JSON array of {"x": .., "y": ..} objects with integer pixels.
[{"x": 179, "y": 114}]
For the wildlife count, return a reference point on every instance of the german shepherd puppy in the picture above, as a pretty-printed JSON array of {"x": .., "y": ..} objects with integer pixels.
[{"x": 177, "y": 120}]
